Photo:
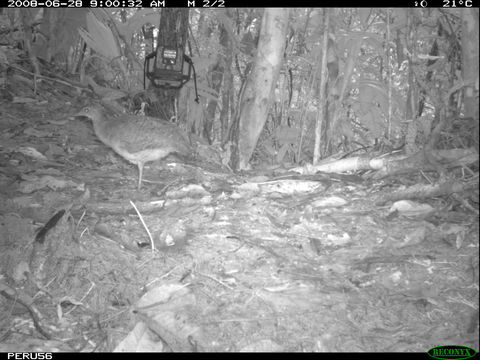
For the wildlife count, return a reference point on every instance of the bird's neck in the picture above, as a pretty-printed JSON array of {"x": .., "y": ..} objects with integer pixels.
[{"x": 100, "y": 127}]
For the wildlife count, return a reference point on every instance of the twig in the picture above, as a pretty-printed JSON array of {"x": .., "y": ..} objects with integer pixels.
[{"x": 144, "y": 225}]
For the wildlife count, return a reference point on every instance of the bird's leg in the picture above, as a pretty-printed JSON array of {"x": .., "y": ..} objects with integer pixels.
[{"x": 140, "y": 172}]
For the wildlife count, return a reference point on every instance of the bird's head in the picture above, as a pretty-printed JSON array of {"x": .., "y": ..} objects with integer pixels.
[{"x": 91, "y": 112}]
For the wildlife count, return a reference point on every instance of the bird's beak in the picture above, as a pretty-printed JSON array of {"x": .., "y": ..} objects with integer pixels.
[
  {"x": 79, "y": 114},
  {"x": 75, "y": 116}
]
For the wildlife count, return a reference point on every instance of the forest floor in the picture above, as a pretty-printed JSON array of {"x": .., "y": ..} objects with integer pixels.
[{"x": 258, "y": 261}]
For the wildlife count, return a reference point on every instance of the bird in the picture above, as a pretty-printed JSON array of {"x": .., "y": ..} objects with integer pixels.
[{"x": 138, "y": 139}]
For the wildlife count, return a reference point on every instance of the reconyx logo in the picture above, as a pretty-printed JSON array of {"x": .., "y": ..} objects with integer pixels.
[{"x": 456, "y": 352}]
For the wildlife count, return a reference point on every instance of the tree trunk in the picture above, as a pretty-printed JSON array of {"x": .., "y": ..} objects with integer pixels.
[
  {"x": 173, "y": 31},
  {"x": 257, "y": 97},
  {"x": 470, "y": 58}
]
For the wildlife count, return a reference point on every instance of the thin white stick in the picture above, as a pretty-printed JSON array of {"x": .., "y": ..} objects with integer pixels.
[{"x": 144, "y": 225}]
